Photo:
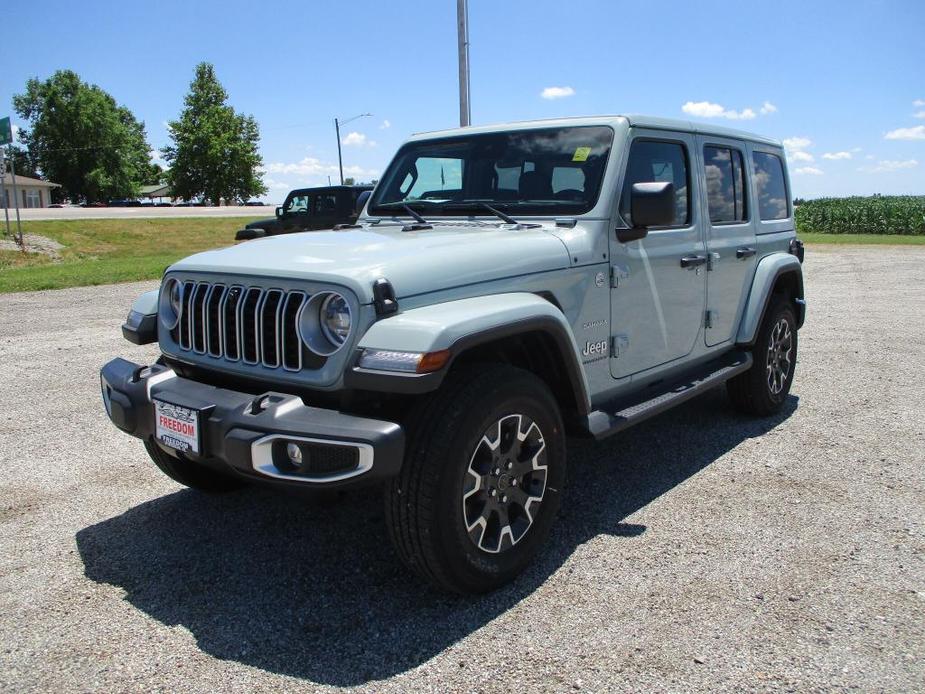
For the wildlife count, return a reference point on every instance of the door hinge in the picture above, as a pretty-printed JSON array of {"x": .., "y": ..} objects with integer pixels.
[
  {"x": 618, "y": 345},
  {"x": 618, "y": 274},
  {"x": 709, "y": 317},
  {"x": 712, "y": 260}
]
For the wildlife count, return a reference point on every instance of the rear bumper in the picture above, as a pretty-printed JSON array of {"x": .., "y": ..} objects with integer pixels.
[{"x": 239, "y": 430}]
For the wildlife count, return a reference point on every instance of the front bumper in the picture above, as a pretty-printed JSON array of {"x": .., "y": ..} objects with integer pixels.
[{"x": 238, "y": 430}]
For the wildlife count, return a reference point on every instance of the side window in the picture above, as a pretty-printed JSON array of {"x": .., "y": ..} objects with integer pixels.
[
  {"x": 658, "y": 161},
  {"x": 325, "y": 204},
  {"x": 298, "y": 204},
  {"x": 725, "y": 176},
  {"x": 773, "y": 200}
]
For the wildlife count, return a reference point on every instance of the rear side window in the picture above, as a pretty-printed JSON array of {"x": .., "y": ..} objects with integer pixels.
[
  {"x": 725, "y": 184},
  {"x": 773, "y": 201},
  {"x": 651, "y": 161},
  {"x": 325, "y": 204}
]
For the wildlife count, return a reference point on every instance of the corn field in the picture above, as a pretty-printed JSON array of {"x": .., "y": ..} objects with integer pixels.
[{"x": 878, "y": 214}]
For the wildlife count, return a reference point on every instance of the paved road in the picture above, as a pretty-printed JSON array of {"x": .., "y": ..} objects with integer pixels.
[
  {"x": 699, "y": 551},
  {"x": 136, "y": 213}
]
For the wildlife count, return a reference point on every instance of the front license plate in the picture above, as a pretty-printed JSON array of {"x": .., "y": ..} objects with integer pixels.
[{"x": 176, "y": 426}]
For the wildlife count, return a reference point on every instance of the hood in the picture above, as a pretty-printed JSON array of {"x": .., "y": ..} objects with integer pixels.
[{"x": 415, "y": 262}]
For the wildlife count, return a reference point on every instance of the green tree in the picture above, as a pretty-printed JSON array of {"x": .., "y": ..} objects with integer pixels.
[
  {"x": 214, "y": 152},
  {"x": 81, "y": 138},
  {"x": 24, "y": 161},
  {"x": 154, "y": 174}
]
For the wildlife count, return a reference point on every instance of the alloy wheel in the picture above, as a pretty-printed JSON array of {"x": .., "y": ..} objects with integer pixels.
[
  {"x": 779, "y": 365},
  {"x": 505, "y": 483}
]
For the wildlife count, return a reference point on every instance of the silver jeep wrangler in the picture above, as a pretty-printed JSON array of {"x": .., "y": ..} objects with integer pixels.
[{"x": 503, "y": 286}]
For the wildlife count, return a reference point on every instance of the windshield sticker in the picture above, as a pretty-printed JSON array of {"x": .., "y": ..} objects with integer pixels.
[{"x": 581, "y": 154}]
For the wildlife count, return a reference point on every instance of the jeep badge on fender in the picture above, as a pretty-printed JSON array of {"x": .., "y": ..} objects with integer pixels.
[{"x": 502, "y": 287}]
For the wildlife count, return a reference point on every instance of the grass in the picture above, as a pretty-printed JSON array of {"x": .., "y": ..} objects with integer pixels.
[
  {"x": 102, "y": 251},
  {"x": 864, "y": 239}
]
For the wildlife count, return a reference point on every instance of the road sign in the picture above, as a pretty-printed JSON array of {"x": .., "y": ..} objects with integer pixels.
[{"x": 6, "y": 131}]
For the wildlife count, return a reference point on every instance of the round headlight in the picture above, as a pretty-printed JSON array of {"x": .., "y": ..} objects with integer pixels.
[
  {"x": 335, "y": 319},
  {"x": 325, "y": 322},
  {"x": 171, "y": 303}
]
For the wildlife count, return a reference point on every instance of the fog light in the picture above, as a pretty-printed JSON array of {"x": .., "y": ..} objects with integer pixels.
[{"x": 294, "y": 453}]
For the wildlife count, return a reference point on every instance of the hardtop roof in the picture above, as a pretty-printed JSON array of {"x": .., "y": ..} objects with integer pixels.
[{"x": 634, "y": 120}]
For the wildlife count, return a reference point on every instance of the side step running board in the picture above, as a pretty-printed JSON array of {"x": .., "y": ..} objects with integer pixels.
[{"x": 629, "y": 412}]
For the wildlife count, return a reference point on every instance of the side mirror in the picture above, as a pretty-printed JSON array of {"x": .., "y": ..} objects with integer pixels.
[
  {"x": 279, "y": 212},
  {"x": 361, "y": 201},
  {"x": 652, "y": 204}
]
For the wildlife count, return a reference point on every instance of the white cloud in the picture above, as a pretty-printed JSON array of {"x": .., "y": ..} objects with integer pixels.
[
  {"x": 273, "y": 184},
  {"x": 767, "y": 107},
  {"x": 918, "y": 103},
  {"x": 856, "y": 149},
  {"x": 707, "y": 109},
  {"x": 313, "y": 171},
  {"x": 157, "y": 158},
  {"x": 837, "y": 155},
  {"x": 796, "y": 149},
  {"x": 355, "y": 139},
  {"x": 916, "y": 133},
  {"x": 386, "y": 124},
  {"x": 809, "y": 171},
  {"x": 919, "y": 114},
  {"x": 796, "y": 143},
  {"x": 887, "y": 165},
  {"x": 557, "y": 92},
  {"x": 870, "y": 156}
]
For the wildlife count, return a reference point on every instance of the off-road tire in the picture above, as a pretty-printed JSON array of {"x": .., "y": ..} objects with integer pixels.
[
  {"x": 752, "y": 392},
  {"x": 191, "y": 474},
  {"x": 425, "y": 504}
]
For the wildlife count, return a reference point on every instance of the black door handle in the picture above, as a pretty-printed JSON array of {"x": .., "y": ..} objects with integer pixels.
[
  {"x": 693, "y": 260},
  {"x": 746, "y": 252}
]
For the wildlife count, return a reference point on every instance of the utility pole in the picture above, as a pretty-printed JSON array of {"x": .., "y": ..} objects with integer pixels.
[
  {"x": 337, "y": 124},
  {"x": 16, "y": 198},
  {"x": 462, "y": 27},
  {"x": 6, "y": 204}
]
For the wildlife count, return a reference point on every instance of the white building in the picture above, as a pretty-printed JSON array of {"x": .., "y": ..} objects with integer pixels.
[{"x": 32, "y": 192}]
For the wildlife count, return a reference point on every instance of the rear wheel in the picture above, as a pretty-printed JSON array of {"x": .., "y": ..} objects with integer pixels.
[
  {"x": 479, "y": 488},
  {"x": 763, "y": 389},
  {"x": 191, "y": 474}
]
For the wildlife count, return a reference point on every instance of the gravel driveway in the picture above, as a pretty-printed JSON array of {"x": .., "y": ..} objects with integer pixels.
[{"x": 699, "y": 551}]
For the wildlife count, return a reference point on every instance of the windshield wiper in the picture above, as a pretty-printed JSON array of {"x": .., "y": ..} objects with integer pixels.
[
  {"x": 497, "y": 213},
  {"x": 407, "y": 208}
]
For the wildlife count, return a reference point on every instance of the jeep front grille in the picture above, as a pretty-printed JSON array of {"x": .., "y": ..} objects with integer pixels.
[{"x": 252, "y": 325}]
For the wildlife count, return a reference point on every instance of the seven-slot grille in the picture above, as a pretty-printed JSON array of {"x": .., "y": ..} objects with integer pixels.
[{"x": 252, "y": 325}]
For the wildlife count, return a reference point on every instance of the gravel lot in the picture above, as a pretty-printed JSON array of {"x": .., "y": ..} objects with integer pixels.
[{"x": 699, "y": 551}]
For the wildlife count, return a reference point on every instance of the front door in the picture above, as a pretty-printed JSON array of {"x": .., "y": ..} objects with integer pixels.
[
  {"x": 730, "y": 235},
  {"x": 659, "y": 282}
]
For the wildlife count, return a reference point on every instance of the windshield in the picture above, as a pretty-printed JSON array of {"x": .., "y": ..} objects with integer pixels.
[{"x": 544, "y": 172}]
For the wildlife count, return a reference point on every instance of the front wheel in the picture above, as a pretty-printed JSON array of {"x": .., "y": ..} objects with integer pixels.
[
  {"x": 763, "y": 389},
  {"x": 479, "y": 488}
]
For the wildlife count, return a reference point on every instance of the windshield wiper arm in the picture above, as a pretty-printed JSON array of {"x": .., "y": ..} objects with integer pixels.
[
  {"x": 497, "y": 213},
  {"x": 407, "y": 208}
]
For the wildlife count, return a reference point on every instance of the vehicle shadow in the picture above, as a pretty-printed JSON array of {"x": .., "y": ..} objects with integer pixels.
[{"x": 312, "y": 589}]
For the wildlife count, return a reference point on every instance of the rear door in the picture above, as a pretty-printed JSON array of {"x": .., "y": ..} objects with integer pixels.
[
  {"x": 325, "y": 211},
  {"x": 731, "y": 241},
  {"x": 659, "y": 282}
]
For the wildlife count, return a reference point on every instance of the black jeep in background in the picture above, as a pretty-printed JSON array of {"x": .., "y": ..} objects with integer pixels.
[{"x": 309, "y": 209}]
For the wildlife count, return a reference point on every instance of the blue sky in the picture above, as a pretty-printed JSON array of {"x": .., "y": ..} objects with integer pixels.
[{"x": 842, "y": 82}]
